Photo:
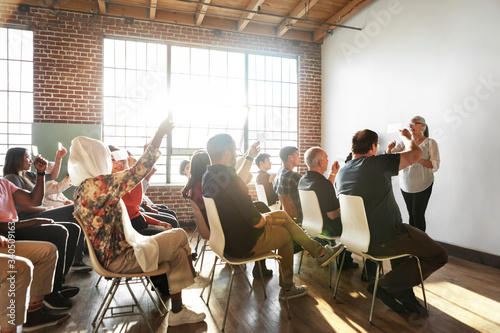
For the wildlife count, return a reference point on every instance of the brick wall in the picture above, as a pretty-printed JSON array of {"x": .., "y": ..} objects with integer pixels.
[{"x": 68, "y": 55}]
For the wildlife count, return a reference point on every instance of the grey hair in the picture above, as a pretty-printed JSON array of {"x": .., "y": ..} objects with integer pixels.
[
  {"x": 313, "y": 156},
  {"x": 422, "y": 120}
]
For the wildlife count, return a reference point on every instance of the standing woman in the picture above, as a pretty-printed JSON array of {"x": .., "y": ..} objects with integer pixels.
[{"x": 416, "y": 180}]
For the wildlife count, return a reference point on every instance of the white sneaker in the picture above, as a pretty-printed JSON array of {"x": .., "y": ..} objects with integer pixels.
[
  {"x": 185, "y": 316},
  {"x": 294, "y": 292},
  {"x": 200, "y": 282}
]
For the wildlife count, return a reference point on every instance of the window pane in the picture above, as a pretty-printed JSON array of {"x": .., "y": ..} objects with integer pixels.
[
  {"x": 199, "y": 61},
  {"x": 218, "y": 63},
  {"x": 27, "y": 45},
  {"x": 180, "y": 59},
  {"x": 15, "y": 38}
]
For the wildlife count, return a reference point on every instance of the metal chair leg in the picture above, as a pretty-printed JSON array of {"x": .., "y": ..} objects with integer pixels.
[
  {"x": 105, "y": 304},
  {"x": 300, "y": 262},
  {"x": 228, "y": 298},
  {"x": 284, "y": 290},
  {"x": 422, "y": 281},
  {"x": 139, "y": 306},
  {"x": 212, "y": 273},
  {"x": 375, "y": 290},
  {"x": 338, "y": 276}
]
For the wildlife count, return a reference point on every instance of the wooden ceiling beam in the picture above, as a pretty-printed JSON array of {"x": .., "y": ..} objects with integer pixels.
[
  {"x": 302, "y": 8},
  {"x": 201, "y": 15},
  {"x": 341, "y": 16},
  {"x": 152, "y": 10},
  {"x": 102, "y": 6},
  {"x": 245, "y": 17}
]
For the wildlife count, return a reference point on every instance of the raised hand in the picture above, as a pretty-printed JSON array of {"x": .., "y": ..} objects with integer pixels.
[{"x": 40, "y": 164}]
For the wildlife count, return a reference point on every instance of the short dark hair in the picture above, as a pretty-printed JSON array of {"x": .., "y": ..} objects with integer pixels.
[
  {"x": 182, "y": 166},
  {"x": 363, "y": 140},
  {"x": 287, "y": 151},
  {"x": 218, "y": 144},
  {"x": 113, "y": 148},
  {"x": 261, "y": 158}
]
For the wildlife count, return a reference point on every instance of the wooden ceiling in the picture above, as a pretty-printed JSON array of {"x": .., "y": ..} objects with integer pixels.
[{"x": 306, "y": 20}]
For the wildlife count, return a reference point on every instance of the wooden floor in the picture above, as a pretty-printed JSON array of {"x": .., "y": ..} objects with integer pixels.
[{"x": 462, "y": 296}]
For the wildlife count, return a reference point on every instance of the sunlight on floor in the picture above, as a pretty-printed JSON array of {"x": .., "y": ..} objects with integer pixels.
[{"x": 464, "y": 305}]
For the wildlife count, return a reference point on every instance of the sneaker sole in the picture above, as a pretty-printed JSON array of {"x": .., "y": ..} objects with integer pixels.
[
  {"x": 81, "y": 269},
  {"x": 53, "y": 323},
  {"x": 55, "y": 307},
  {"x": 335, "y": 255}
]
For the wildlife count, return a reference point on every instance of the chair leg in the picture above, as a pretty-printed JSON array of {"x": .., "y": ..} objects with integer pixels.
[
  {"x": 261, "y": 277},
  {"x": 139, "y": 306},
  {"x": 99, "y": 316},
  {"x": 422, "y": 281},
  {"x": 284, "y": 290},
  {"x": 300, "y": 262},
  {"x": 228, "y": 298},
  {"x": 157, "y": 294},
  {"x": 246, "y": 277},
  {"x": 194, "y": 233},
  {"x": 375, "y": 290},
  {"x": 202, "y": 252},
  {"x": 99, "y": 280},
  {"x": 212, "y": 273},
  {"x": 338, "y": 275}
]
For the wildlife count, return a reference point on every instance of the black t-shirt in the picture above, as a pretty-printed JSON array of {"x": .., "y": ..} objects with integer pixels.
[
  {"x": 328, "y": 202},
  {"x": 237, "y": 213},
  {"x": 370, "y": 178},
  {"x": 263, "y": 179}
]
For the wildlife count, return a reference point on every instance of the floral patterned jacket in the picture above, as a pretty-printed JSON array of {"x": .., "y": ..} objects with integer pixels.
[{"x": 97, "y": 206}]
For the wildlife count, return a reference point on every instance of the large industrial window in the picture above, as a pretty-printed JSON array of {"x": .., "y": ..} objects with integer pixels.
[
  {"x": 204, "y": 91},
  {"x": 16, "y": 89}
]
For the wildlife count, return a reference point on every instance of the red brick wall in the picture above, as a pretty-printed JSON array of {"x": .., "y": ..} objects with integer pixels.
[{"x": 68, "y": 54}]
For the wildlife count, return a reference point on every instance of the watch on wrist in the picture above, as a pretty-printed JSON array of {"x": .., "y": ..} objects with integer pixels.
[
  {"x": 41, "y": 173},
  {"x": 249, "y": 158}
]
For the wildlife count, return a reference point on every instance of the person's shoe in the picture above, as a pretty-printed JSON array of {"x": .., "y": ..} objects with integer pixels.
[
  {"x": 265, "y": 271},
  {"x": 56, "y": 301},
  {"x": 43, "y": 318},
  {"x": 294, "y": 292},
  {"x": 200, "y": 282},
  {"x": 80, "y": 267},
  {"x": 185, "y": 316},
  {"x": 69, "y": 291},
  {"x": 387, "y": 298},
  {"x": 408, "y": 299},
  {"x": 330, "y": 254}
]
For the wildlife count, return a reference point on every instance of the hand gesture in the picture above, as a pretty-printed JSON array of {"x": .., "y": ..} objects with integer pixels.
[
  {"x": 166, "y": 127},
  {"x": 405, "y": 134},
  {"x": 40, "y": 164},
  {"x": 254, "y": 149},
  {"x": 390, "y": 146},
  {"x": 166, "y": 225},
  {"x": 61, "y": 153},
  {"x": 335, "y": 167}
]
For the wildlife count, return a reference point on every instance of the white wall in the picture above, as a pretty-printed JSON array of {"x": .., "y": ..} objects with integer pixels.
[{"x": 440, "y": 60}]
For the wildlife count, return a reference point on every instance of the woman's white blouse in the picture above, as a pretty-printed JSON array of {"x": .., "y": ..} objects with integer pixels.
[{"x": 417, "y": 177}]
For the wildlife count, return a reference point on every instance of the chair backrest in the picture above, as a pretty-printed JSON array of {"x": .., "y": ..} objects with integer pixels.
[
  {"x": 355, "y": 230},
  {"x": 93, "y": 258},
  {"x": 261, "y": 193},
  {"x": 289, "y": 207},
  {"x": 217, "y": 241},
  {"x": 312, "y": 220},
  {"x": 201, "y": 224}
]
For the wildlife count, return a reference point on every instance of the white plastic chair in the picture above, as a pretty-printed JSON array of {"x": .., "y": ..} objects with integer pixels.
[
  {"x": 203, "y": 230},
  {"x": 261, "y": 196},
  {"x": 217, "y": 244},
  {"x": 356, "y": 238},
  {"x": 116, "y": 280},
  {"x": 312, "y": 221}
]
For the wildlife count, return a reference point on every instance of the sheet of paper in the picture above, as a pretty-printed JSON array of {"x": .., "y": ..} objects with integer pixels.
[{"x": 34, "y": 150}]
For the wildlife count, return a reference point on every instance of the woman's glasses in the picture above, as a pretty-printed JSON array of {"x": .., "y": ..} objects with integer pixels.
[{"x": 413, "y": 124}]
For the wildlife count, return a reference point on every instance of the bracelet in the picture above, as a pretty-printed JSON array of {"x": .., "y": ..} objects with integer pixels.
[
  {"x": 249, "y": 158},
  {"x": 41, "y": 173},
  {"x": 332, "y": 174}
]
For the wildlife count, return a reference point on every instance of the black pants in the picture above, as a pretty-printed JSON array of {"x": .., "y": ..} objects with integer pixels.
[
  {"x": 64, "y": 236},
  {"x": 62, "y": 214},
  {"x": 416, "y": 203}
]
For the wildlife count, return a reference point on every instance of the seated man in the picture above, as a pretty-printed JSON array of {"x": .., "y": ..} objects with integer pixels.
[
  {"x": 287, "y": 180},
  {"x": 263, "y": 162},
  {"x": 369, "y": 176},
  {"x": 314, "y": 180},
  {"x": 247, "y": 231},
  {"x": 31, "y": 269}
]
